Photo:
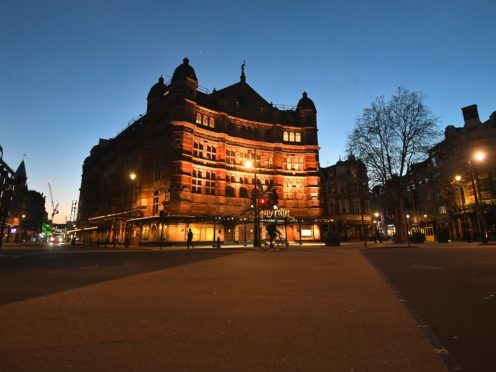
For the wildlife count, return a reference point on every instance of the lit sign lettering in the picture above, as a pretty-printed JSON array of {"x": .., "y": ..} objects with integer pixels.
[{"x": 274, "y": 213}]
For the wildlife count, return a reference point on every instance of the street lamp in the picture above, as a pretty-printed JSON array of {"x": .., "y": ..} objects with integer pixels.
[
  {"x": 479, "y": 156},
  {"x": 132, "y": 177},
  {"x": 408, "y": 229},
  {"x": 465, "y": 226},
  {"x": 256, "y": 228}
]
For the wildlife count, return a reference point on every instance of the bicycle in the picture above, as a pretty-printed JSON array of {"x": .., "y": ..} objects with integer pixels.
[{"x": 279, "y": 243}]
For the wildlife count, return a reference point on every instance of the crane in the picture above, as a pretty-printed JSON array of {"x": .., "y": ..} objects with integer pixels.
[{"x": 54, "y": 206}]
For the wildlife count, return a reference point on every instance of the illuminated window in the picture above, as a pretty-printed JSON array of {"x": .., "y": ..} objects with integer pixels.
[
  {"x": 291, "y": 137},
  {"x": 205, "y": 120},
  {"x": 198, "y": 118},
  {"x": 211, "y": 153},
  {"x": 230, "y": 157},
  {"x": 198, "y": 150},
  {"x": 196, "y": 182},
  {"x": 298, "y": 137},
  {"x": 212, "y": 122},
  {"x": 285, "y": 136},
  {"x": 155, "y": 202},
  {"x": 210, "y": 183},
  {"x": 144, "y": 232}
]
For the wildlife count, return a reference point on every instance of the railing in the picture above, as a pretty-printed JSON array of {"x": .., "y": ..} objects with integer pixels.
[
  {"x": 129, "y": 123},
  {"x": 284, "y": 107}
]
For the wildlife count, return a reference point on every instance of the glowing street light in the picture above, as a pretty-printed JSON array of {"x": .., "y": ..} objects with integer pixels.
[
  {"x": 479, "y": 156},
  {"x": 256, "y": 228},
  {"x": 132, "y": 177},
  {"x": 465, "y": 226}
]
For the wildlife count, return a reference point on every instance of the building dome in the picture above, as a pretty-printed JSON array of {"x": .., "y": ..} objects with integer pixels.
[
  {"x": 184, "y": 71},
  {"x": 157, "y": 90},
  {"x": 305, "y": 103}
]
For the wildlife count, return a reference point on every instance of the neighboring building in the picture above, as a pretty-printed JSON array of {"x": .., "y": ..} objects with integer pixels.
[
  {"x": 441, "y": 195},
  {"x": 189, "y": 155},
  {"x": 345, "y": 198},
  {"x": 20, "y": 208}
]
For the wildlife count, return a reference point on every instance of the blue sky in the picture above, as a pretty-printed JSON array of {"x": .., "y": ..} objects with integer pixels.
[{"x": 72, "y": 72}]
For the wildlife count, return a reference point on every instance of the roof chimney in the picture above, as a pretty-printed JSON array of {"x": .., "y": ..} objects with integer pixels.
[{"x": 471, "y": 116}]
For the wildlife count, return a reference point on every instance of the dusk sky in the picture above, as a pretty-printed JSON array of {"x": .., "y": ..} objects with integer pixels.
[{"x": 72, "y": 72}]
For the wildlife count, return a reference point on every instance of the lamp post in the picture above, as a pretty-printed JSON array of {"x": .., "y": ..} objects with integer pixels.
[
  {"x": 362, "y": 207},
  {"x": 408, "y": 229},
  {"x": 256, "y": 227},
  {"x": 478, "y": 156},
  {"x": 244, "y": 235},
  {"x": 132, "y": 177},
  {"x": 465, "y": 226}
]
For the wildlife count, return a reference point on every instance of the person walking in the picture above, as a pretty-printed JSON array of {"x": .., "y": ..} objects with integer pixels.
[{"x": 190, "y": 239}]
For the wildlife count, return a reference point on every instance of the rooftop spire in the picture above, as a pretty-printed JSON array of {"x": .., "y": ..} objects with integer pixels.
[{"x": 243, "y": 76}]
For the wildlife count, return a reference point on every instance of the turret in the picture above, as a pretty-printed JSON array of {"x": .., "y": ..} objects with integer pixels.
[
  {"x": 157, "y": 92},
  {"x": 184, "y": 82},
  {"x": 306, "y": 112},
  {"x": 307, "y": 117}
]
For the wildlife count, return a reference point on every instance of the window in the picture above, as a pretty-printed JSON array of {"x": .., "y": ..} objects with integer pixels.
[
  {"x": 212, "y": 122},
  {"x": 286, "y": 136},
  {"x": 155, "y": 202},
  {"x": 291, "y": 137},
  {"x": 298, "y": 137},
  {"x": 355, "y": 206},
  {"x": 198, "y": 150},
  {"x": 343, "y": 206},
  {"x": 196, "y": 182},
  {"x": 205, "y": 120},
  {"x": 230, "y": 157},
  {"x": 243, "y": 192},
  {"x": 198, "y": 118},
  {"x": 145, "y": 232},
  {"x": 229, "y": 192},
  {"x": 211, "y": 153},
  {"x": 210, "y": 183}
]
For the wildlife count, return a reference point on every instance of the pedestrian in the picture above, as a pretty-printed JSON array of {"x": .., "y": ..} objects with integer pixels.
[
  {"x": 218, "y": 242},
  {"x": 190, "y": 239}
]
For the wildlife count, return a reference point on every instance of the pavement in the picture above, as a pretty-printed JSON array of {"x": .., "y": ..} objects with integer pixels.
[{"x": 310, "y": 308}]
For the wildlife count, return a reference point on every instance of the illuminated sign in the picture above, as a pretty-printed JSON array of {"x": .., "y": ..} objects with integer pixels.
[
  {"x": 306, "y": 232},
  {"x": 13, "y": 230},
  {"x": 274, "y": 213}
]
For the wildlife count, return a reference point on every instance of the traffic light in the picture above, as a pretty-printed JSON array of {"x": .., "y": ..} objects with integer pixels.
[{"x": 262, "y": 202}]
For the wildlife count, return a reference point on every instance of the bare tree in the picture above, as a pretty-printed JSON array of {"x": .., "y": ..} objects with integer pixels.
[{"x": 389, "y": 137}]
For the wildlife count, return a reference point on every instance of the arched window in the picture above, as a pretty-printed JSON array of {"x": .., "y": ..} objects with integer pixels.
[
  {"x": 212, "y": 122},
  {"x": 243, "y": 193},
  {"x": 285, "y": 136},
  {"x": 298, "y": 137},
  {"x": 155, "y": 202},
  {"x": 205, "y": 120},
  {"x": 229, "y": 192},
  {"x": 198, "y": 118},
  {"x": 291, "y": 137}
]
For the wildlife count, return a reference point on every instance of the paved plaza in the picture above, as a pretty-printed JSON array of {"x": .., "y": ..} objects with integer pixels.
[{"x": 310, "y": 308}]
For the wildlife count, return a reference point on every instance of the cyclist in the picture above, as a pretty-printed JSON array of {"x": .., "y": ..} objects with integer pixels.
[{"x": 273, "y": 232}]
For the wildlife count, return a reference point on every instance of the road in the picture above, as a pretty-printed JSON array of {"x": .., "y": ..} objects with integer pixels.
[
  {"x": 310, "y": 308},
  {"x": 452, "y": 290}
]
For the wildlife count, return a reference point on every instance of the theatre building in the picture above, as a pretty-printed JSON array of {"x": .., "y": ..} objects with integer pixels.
[{"x": 207, "y": 161}]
